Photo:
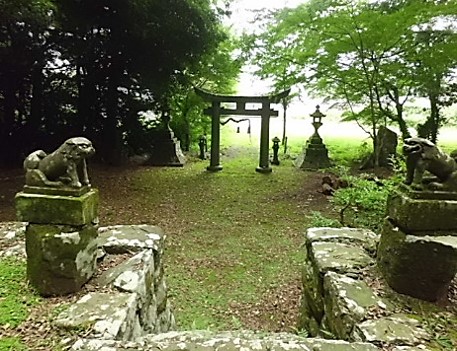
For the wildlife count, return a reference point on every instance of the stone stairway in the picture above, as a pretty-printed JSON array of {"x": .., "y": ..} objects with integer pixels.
[
  {"x": 224, "y": 341},
  {"x": 129, "y": 309}
]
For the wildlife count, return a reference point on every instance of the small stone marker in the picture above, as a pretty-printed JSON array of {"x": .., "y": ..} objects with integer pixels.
[{"x": 61, "y": 209}]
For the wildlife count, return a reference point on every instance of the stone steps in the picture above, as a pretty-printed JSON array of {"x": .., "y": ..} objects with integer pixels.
[
  {"x": 223, "y": 341},
  {"x": 344, "y": 296}
]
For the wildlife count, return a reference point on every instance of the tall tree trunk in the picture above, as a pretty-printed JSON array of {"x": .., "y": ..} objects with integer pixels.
[
  {"x": 37, "y": 103},
  {"x": 284, "y": 117},
  {"x": 112, "y": 136},
  {"x": 434, "y": 117},
  {"x": 8, "y": 149},
  {"x": 401, "y": 122}
]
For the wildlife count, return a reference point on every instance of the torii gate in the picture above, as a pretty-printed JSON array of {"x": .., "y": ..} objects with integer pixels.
[{"x": 216, "y": 111}]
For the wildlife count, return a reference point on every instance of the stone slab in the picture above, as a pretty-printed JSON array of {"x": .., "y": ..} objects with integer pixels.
[
  {"x": 135, "y": 275},
  {"x": 427, "y": 194},
  {"x": 57, "y": 209},
  {"x": 312, "y": 301},
  {"x": 227, "y": 341},
  {"x": 396, "y": 329},
  {"x": 110, "y": 315},
  {"x": 131, "y": 238},
  {"x": 355, "y": 236},
  {"x": 64, "y": 191},
  {"x": 347, "y": 302},
  {"x": 422, "y": 215},
  {"x": 60, "y": 259},
  {"x": 338, "y": 257}
]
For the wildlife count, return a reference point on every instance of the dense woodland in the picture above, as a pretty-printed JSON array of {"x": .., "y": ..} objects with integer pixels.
[
  {"x": 77, "y": 67},
  {"x": 80, "y": 67}
]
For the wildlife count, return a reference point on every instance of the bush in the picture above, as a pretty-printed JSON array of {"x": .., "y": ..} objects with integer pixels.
[
  {"x": 363, "y": 203},
  {"x": 316, "y": 219}
]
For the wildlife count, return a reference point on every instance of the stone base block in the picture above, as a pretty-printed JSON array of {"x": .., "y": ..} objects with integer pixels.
[
  {"x": 111, "y": 316},
  {"x": 315, "y": 156},
  {"x": 422, "y": 215},
  {"x": 167, "y": 153},
  {"x": 418, "y": 266},
  {"x": 60, "y": 259},
  {"x": 58, "y": 209}
]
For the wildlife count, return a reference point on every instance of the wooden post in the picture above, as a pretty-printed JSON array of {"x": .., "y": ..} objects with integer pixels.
[
  {"x": 264, "y": 162},
  {"x": 214, "y": 164}
]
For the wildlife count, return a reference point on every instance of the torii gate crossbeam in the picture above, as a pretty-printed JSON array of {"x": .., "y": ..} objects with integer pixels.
[{"x": 265, "y": 112}]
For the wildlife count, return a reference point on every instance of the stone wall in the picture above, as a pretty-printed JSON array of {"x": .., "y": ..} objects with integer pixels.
[
  {"x": 343, "y": 297},
  {"x": 127, "y": 297},
  {"x": 130, "y": 296},
  {"x": 125, "y": 306}
]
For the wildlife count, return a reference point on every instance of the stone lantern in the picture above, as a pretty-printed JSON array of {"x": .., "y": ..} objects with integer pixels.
[
  {"x": 317, "y": 123},
  {"x": 315, "y": 154}
]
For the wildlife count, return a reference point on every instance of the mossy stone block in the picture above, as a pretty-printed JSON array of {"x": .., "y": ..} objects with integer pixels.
[
  {"x": 57, "y": 209},
  {"x": 60, "y": 259},
  {"x": 422, "y": 215},
  {"x": 418, "y": 266}
]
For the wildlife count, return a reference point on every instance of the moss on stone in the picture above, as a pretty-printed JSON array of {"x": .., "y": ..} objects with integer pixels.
[
  {"x": 419, "y": 215},
  {"x": 60, "y": 259},
  {"x": 54, "y": 209}
]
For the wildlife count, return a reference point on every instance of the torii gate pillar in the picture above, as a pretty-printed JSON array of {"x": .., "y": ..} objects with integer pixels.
[
  {"x": 265, "y": 112},
  {"x": 214, "y": 164}
]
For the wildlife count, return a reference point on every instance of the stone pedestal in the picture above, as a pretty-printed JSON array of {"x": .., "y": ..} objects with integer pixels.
[
  {"x": 166, "y": 150},
  {"x": 417, "y": 253},
  {"x": 61, "y": 239},
  {"x": 314, "y": 156}
]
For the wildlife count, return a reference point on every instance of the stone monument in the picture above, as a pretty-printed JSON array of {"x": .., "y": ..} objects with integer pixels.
[
  {"x": 315, "y": 154},
  {"x": 61, "y": 209},
  {"x": 417, "y": 253},
  {"x": 387, "y": 141},
  {"x": 166, "y": 148}
]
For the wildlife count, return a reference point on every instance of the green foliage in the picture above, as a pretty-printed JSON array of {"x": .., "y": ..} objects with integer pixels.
[
  {"x": 11, "y": 344},
  {"x": 363, "y": 203},
  {"x": 345, "y": 152},
  {"x": 366, "y": 55},
  {"x": 216, "y": 72},
  {"x": 72, "y": 67},
  {"x": 16, "y": 298},
  {"x": 318, "y": 220}
]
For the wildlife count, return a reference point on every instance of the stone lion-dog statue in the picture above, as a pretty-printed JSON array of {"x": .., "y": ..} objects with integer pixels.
[
  {"x": 64, "y": 167},
  {"x": 422, "y": 155}
]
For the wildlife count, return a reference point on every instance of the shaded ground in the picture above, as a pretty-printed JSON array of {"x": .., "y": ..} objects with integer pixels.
[{"x": 126, "y": 198}]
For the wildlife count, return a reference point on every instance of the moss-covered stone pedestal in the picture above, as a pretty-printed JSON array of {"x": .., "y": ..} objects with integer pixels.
[
  {"x": 61, "y": 239},
  {"x": 314, "y": 156},
  {"x": 417, "y": 252}
]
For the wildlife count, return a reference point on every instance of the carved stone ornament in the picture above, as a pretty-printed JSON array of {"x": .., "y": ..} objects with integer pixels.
[
  {"x": 64, "y": 168},
  {"x": 422, "y": 155}
]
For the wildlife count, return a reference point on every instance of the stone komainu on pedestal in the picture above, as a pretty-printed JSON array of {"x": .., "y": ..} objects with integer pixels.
[
  {"x": 61, "y": 209},
  {"x": 417, "y": 253}
]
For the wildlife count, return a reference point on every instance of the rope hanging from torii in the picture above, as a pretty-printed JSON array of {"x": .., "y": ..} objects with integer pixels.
[
  {"x": 217, "y": 110},
  {"x": 223, "y": 123}
]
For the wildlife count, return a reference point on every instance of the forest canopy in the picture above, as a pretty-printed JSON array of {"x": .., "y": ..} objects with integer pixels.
[
  {"x": 83, "y": 67},
  {"x": 369, "y": 56}
]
